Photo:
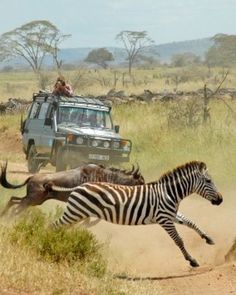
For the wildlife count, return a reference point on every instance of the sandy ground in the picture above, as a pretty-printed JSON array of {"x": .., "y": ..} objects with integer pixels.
[{"x": 146, "y": 253}]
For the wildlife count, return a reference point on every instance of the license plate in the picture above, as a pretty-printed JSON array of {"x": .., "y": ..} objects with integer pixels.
[{"x": 99, "y": 157}]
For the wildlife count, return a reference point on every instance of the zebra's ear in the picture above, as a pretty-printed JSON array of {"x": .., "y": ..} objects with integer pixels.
[
  {"x": 203, "y": 167},
  {"x": 205, "y": 172}
]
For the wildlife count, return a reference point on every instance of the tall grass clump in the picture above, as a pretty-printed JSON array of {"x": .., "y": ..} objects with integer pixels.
[{"x": 74, "y": 247}]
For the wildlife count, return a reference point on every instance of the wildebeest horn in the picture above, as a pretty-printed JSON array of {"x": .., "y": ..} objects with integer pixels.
[
  {"x": 132, "y": 169},
  {"x": 130, "y": 172},
  {"x": 136, "y": 171}
]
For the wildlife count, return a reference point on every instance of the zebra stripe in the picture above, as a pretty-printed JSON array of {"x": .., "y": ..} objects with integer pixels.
[{"x": 155, "y": 202}]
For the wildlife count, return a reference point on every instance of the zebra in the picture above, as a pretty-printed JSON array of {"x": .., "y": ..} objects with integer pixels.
[
  {"x": 180, "y": 218},
  {"x": 153, "y": 202}
]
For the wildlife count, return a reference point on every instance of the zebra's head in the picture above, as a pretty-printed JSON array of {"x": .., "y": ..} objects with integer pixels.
[{"x": 205, "y": 186}]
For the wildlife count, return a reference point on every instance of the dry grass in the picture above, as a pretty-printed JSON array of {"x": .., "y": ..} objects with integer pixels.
[
  {"x": 23, "y": 272},
  {"x": 99, "y": 82}
]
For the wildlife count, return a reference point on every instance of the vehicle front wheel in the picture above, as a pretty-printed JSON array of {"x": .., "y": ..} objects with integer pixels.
[{"x": 33, "y": 163}]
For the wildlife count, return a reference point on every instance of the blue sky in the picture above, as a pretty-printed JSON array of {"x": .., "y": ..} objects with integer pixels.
[{"x": 95, "y": 23}]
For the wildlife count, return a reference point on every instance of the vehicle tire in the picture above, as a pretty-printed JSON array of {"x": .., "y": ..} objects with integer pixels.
[
  {"x": 33, "y": 164},
  {"x": 61, "y": 164}
]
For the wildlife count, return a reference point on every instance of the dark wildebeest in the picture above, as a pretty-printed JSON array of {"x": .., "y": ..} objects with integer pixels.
[{"x": 38, "y": 188}]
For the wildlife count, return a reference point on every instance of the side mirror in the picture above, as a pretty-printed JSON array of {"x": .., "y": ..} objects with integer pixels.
[
  {"x": 48, "y": 122},
  {"x": 117, "y": 128}
]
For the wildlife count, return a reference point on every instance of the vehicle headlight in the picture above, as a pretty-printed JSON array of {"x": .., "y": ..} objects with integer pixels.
[
  {"x": 126, "y": 145},
  {"x": 116, "y": 144},
  {"x": 95, "y": 143},
  {"x": 106, "y": 144},
  {"x": 79, "y": 140}
]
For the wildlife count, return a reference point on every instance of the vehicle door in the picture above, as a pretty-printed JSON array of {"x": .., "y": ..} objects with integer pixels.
[
  {"x": 48, "y": 130},
  {"x": 33, "y": 126}
]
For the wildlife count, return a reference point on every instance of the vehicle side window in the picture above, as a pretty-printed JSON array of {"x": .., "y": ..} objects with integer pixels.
[
  {"x": 34, "y": 110},
  {"x": 43, "y": 111},
  {"x": 50, "y": 112}
]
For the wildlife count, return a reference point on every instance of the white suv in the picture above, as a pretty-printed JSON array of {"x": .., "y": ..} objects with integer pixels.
[{"x": 68, "y": 131}]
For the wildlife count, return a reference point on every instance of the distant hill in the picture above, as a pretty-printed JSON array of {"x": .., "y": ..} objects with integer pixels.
[
  {"x": 163, "y": 52},
  {"x": 198, "y": 47}
]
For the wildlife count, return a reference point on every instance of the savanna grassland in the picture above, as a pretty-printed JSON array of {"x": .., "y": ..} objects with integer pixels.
[
  {"x": 98, "y": 82},
  {"x": 162, "y": 139}
]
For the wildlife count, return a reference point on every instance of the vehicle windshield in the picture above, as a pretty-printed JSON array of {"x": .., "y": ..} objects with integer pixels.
[{"x": 84, "y": 117}]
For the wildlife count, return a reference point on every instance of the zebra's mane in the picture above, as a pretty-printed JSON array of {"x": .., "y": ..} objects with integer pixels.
[{"x": 193, "y": 165}]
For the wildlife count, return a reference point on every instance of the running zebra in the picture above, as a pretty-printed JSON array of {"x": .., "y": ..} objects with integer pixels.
[{"x": 154, "y": 202}]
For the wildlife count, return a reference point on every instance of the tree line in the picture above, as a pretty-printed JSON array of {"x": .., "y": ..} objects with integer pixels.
[{"x": 35, "y": 40}]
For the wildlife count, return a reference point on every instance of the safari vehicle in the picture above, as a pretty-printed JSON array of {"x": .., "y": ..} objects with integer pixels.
[{"x": 69, "y": 131}]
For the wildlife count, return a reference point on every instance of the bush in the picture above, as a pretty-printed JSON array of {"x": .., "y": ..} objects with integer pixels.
[
  {"x": 76, "y": 247},
  {"x": 186, "y": 113}
]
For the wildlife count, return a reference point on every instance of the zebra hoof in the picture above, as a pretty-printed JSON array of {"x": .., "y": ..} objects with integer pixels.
[
  {"x": 194, "y": 263},
  {"x": 209, "y": 241}
]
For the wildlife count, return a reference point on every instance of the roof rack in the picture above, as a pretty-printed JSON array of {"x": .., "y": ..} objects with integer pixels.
[{"x": 74, "y": 99}]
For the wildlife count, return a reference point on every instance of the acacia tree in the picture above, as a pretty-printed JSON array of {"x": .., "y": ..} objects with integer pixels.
[
  {"x": 53, "y": 48},
  {"x": 134, "y": 42},
  {"x": 223, "y": 52},
  {"x": 100, "y": 57},
  {"x": 32, "y": 41}
]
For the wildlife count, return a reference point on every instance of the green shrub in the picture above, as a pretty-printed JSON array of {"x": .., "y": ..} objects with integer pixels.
[{"x": 75, "y": 247}]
